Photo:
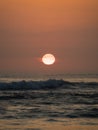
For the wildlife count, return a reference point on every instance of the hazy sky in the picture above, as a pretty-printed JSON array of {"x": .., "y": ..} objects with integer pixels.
[{"x": 66, "y": 28}]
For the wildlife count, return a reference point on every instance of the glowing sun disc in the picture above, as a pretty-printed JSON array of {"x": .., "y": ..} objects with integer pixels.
[{"x": 48, "y": 59}]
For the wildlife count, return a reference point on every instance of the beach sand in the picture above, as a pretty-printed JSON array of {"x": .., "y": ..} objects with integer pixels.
[{"x": 41, "y": 125}]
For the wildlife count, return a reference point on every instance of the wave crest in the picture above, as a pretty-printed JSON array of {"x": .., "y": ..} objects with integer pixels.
[{"x": 48, "y": 84}]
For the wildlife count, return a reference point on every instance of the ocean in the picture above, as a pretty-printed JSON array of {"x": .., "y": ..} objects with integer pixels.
[{"x": 56, "y": 102}]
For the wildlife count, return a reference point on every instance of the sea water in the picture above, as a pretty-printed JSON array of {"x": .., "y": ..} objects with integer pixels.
[{"x": 63, "y": 103}]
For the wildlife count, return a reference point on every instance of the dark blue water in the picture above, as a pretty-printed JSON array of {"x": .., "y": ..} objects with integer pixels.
[{"x": 51, "y": 101}]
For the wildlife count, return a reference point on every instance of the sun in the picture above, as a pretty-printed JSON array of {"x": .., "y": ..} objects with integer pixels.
[{"x": 48, "y": 59}]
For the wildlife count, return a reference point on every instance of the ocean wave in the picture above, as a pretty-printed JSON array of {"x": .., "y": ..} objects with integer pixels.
[
  {"x": 51, "y": 99},
  {"x": 49, "y": 84}
]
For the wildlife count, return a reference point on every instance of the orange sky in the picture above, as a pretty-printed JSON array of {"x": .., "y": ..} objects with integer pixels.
[{"x": 31, "y": 28}]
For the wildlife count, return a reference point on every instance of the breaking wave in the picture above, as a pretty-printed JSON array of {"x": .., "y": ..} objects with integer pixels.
[
  {"x": 49, "y": 84},
  {"x": 51, "y": 99}
]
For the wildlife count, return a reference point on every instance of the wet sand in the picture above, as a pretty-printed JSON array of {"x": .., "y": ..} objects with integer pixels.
[{"x": 42, "y": 125}]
